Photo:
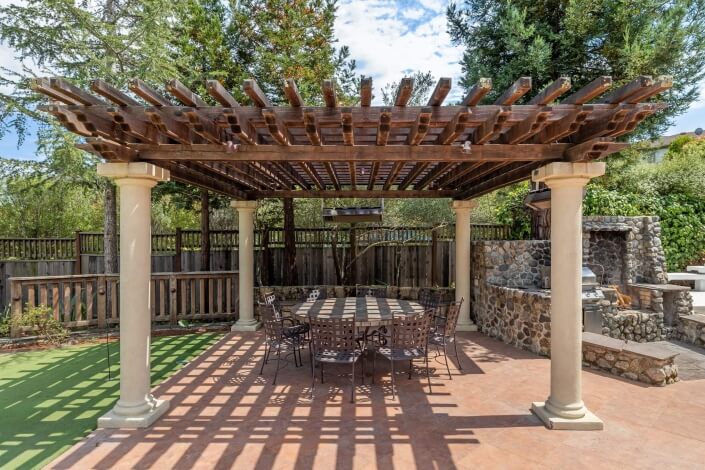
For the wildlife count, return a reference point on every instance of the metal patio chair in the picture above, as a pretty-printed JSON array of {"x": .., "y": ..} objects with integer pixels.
[
  {"x": 277, "y": 339},
  {"x": 314, "y": 294},
  {"x": 334, "y": 341},
  {"x": 408, "y": 340},
  {"x": 443, "y": 333},
  {"x": 369, "y": 291}
]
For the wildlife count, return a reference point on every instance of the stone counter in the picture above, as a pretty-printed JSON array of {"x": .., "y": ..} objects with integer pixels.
[{"x": 519, "y": 317}]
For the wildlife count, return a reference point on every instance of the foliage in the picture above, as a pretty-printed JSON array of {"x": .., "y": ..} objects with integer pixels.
[
  {"x": 506, "y": 39},
  {"x": 512, "y": 211},
  {"x": 423, "y": 84},
  {"x": 41, "y": 319}
]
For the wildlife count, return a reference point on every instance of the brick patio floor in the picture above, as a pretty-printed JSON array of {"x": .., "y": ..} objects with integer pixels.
[{"x": 224, "y": 414}]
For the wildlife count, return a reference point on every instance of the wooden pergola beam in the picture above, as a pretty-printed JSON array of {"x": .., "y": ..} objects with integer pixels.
[
  {"x": 182, "y": 93},
  {"x": 351, "y": 193},
  {"x": 440, "y": 92},
  {"x": 252, "y": 89},
  {"x": 147, "y": 93},
  {"x": 420, "y": 128},
  {"x": 357, "y": 153},
  {"x": 292, "y": 93},
  {"x": 406, "y": 87},
  {"x": 514, "y": 92},
  {"x": 365, "y": 92},
  {"x": 551, "y": 92},
  {"x": 477, "y": 92},
  {"x": 113, "y": 94},
  {"x": 329, "y": 93},
  {"x": 591, "y": 90},
  {"x": 385, "y": 120},
  {"x": 625, "y": 92},
  {"x": 220, "y": 94}
]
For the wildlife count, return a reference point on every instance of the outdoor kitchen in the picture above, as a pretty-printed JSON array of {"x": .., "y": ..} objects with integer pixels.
[{"x": 625, "y": 292}]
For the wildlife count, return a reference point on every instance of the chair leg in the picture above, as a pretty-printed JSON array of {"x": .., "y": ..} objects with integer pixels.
[
  {"x": 393, "y": 391},
  {"x": 374, "y": 354},
  {"x": 411, "y": 364},
  {"x": 362, "y": 376},
  {"x": 320, "y": 364},
  {"x": 279, "y": 356},
  {"x": 264, "y": 361},
  {"x": 457, "y": 358},
  {"x": 352, "y": 384},
  {"x": 313, "y": 379},
  {"x": 428, "y": 374},
  {"x": 445, "y": 356}
]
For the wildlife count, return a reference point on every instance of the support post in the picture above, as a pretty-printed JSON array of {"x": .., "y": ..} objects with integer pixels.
[
  {"x": 434, "y": 257},
  {"x": 246, "y": 265},
  {"x": 564, "y": 408},
  {"x": 77, "y": 250},
  {"x": 177, "y": 250},
  {"x": 462, "y": 263},
  {"x": 136, "y": 408}
]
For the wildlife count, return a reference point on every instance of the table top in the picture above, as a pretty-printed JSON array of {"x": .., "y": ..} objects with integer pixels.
[{"x": 368, "y": 311}]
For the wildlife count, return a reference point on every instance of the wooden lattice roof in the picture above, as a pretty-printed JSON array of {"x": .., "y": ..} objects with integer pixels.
[{"x": 249, "y": 152}]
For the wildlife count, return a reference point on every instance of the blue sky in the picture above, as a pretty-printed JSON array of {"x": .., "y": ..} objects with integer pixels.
[{"x": 389, "y": 39}]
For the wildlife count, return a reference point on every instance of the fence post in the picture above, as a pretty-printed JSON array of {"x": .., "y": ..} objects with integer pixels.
[
  {"x": 353, "y": 254},
  {"x": 434, "y": 257},
  {"x": 77, "y": 250},
  {"x": 101, "y": 288},
  {"x": 173, "y": 299},
  {"x": 16, "y": 311},
  {"x": 177, "y": 251}
]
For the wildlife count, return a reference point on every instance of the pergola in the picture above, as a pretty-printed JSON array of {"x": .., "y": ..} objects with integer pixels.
[{"x": 249, "y": 152}]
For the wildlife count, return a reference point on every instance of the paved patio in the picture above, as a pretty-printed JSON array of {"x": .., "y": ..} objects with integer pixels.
[{"x": 224, "y": 415}]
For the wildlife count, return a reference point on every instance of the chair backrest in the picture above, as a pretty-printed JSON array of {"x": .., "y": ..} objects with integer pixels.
[
  {"x": 367, "y": 291},
  {"x": 333, "y": 334},
  {"x": 429, "y": 299},
  {"x": 273, "y": 325},
  {"x": 315, "y": 294},
  {"x": 452, "y": 318},
  {"x": 271, "y": 299},
  {"x": 411, "y": 331}
]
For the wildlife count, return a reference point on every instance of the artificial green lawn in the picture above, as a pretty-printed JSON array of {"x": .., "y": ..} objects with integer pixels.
[{"x": 50, "y": 399}]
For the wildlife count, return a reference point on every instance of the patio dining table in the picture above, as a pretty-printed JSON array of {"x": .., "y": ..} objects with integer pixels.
[{"x": 368, "y": 311}]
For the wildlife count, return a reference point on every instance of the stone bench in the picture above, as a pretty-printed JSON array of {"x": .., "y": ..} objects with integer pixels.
[
  {"x": 691, "y": 329},
  {"x": 643, "y": 362},
  {"x": 697, "y": 277}
]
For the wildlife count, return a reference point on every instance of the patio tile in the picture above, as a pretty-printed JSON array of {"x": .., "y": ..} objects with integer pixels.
[{"x": 225, "y": 415}]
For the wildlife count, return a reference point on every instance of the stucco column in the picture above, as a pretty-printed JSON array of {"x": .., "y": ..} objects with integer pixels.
[
  {"x": 246, "y": 265},
  {"x": 462, "y": 262},
  {"x": 564, "y": 408},
  {"x": 136, "y": 408}
]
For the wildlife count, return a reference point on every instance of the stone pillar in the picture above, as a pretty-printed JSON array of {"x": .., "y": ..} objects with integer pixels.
[
  {"x": 246, "y": 265},
  {"x": 564, "y": 408},
  {"x": 136, "y": 408},
  {"x": 462, "y": 262}
]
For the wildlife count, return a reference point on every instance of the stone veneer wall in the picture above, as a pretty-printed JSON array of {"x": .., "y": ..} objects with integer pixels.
[
  {"x": 629, "y": 324},
  {"x": 643, "y": 257},
  {"x": 517, "y": 317}
]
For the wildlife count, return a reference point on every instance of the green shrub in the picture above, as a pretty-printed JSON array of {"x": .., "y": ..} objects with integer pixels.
[
  {"x": 41, "y": 319},
  {"x": 512, "y": 211}
]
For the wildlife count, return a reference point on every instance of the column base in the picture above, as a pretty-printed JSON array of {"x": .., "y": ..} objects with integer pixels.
[
  {"x": 247, "y": 325},
  {"x": 589, "y": 422},
  {"x": 112, "y": 419},
  {"x": 466, "y": 327}
]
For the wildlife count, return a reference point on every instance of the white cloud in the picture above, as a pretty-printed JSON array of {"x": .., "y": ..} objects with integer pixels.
[{"x": 388, "y": 46}]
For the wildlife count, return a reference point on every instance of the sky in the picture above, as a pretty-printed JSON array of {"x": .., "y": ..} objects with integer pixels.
[{"x": 389, "y": 39}]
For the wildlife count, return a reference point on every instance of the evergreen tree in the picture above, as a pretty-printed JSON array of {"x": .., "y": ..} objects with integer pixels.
[{"x": 583, "y": 39}]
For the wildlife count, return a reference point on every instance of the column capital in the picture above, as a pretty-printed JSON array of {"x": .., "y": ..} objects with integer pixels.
[
  {"x": 568, "y": 173},
  {"x": 244, "y": 205},
  {"x": 463, "y": 204},
  {"x": 143, "y": 171}
]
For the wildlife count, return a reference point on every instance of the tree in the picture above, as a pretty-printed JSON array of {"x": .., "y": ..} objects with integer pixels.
[
  {"x": 423, "y": 84},
  {"x": 112, "y": 39},
  {"x": 583, "y": 40}
]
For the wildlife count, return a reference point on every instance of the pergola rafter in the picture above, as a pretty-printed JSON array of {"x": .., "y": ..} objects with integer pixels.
[{"x": 458, "y": 151}]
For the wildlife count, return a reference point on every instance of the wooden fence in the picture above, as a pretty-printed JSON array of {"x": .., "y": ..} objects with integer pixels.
[
  {"x": 91, "y": 243},
  {"x": 92, "y": 300}
]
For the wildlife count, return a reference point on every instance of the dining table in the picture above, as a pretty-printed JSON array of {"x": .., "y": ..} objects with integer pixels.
[{"x": 367, "y": 311}]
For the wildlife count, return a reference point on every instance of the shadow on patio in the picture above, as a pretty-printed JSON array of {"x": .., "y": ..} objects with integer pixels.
[{"x": 224, "y": 413}]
